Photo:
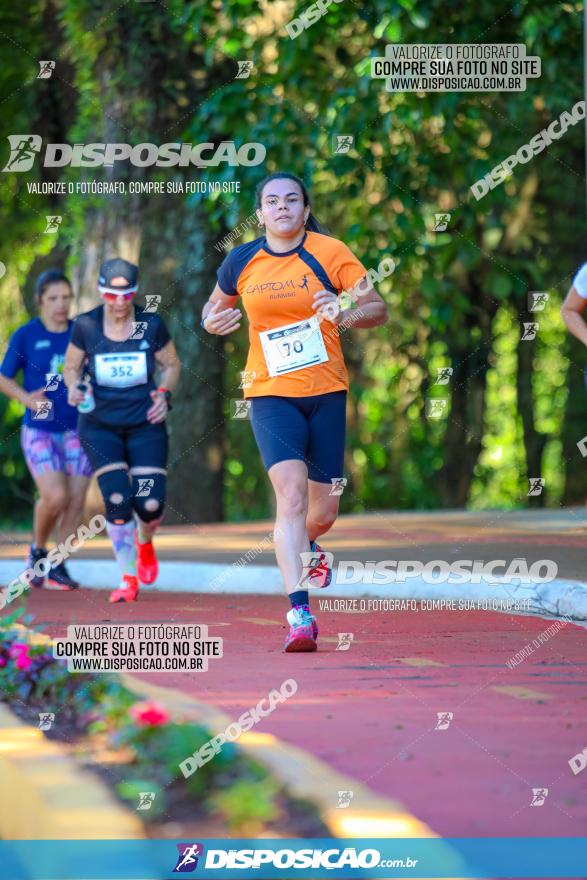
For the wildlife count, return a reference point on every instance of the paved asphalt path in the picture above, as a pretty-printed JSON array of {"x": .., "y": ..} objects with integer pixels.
[{"x": 371, "y": 711}]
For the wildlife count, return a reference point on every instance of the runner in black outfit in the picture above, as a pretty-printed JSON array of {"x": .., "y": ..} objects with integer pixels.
[{"x": 121, "y": 346}]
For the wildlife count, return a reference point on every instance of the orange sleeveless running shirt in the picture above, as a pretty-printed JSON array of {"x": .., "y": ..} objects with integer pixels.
[{"x": 277, "y": 291}]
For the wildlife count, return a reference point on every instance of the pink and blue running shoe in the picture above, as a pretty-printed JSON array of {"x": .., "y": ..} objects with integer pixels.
[{"x": 303, "y": 630}]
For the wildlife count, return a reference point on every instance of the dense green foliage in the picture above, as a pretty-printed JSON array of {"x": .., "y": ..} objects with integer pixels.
[{"x": 457, "y": 298}]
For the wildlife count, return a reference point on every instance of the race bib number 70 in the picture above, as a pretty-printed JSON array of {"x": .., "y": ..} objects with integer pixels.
[{"x": 293, "y": 347}]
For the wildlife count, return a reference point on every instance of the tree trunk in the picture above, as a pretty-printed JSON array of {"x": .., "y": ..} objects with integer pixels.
[
  {"x": 534, "y": 440},
  {"x": 463, "y": 439},
  {"x": 178, "y": 263},
  {"x": 469, "y": 353},
  {"x": 110, "y": 231}
]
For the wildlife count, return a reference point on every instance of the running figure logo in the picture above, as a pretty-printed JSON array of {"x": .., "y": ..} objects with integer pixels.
[
  {"x": 46, "y": 720},
  {"x": 444, "y": 374},
  {"x": 146, "y": 799},
  {"x": 582, "y": 446},
  {"x": 52, "y": 381},
  {"x": 311, "y": 561},
  {"x": 152, "y": 302},
  {"x": 529, "y": 331},
  {"x": 338, "y": 484},
  {"x": 441, "y": 222},
  {"x": 539, "y": 795},
  {"x": 43, "y": 411},
  {"x": 435, "y": 407},
  {"x": 444, "y": 719},
  {"x": 46, "y": 68},
  {"x": 304, "y": 284},
  {"x": 537, "y": 301},
  {"x": 244, "y": 69},
  {"x": 187, "y": 860},
  {"x": 241, "y": 409},
  {"x": 145, "y": 486},
  {"x": 536, "y": 486},
  {"x": 24, "y": 148},
  {"x": 344, "y": 799},
  {"x": 344, "y": 641},
  {"x": 342, "y": 143},
  {"x": 247, "y": 378},
  {"x": 53, "y": 223},
  {"x": 138, "y": 329}
]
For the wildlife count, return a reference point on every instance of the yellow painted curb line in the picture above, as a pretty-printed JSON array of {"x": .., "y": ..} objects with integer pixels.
[
  {"x": 519, "y": 692},
  {"x": 368, "y": 815},
  {"x": 48, "y": 796}
]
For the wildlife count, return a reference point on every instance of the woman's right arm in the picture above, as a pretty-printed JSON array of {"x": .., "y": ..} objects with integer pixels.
[
  {"x": 72, "y": 373},
  {"x": 15, "y": 359},
  {"x": 219, "y": 315},
  {"x": 12, "y": 389},
  {"x": 572, "y": 314}
]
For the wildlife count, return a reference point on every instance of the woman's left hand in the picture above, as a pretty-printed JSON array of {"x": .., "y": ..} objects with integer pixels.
[
  {"x": 158, "y": 411},
  {"x": 327, "y": 306}
]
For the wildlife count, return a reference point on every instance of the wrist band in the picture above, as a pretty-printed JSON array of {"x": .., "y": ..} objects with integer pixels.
[{"x": 167, "y": 394}]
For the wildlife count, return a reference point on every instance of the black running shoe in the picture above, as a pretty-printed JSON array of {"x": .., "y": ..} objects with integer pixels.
[
  {"x": 60, "y": 579},
  {"x": 35, "y": 555}
]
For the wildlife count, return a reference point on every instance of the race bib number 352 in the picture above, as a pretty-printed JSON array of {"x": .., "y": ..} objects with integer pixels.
[
  {"x": 293, "y": 347},
  {"x": 121, "y": 370}
]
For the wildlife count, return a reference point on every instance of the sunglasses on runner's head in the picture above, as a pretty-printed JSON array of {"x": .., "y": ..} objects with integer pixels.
[{"x": 111, "y": 294}]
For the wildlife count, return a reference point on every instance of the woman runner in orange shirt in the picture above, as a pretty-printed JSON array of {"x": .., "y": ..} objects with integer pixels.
[{"x": 289, "y": 281}]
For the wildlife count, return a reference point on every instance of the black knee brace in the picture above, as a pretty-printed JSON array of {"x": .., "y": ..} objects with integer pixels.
[
  {"x": 117, "y": 493},
  {"x": 148, "y": 495}
]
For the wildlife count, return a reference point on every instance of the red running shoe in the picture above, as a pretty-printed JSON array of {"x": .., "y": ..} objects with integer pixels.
[
  {"x": 147, "y": 565},
  {"x": 127, "y": 591}
]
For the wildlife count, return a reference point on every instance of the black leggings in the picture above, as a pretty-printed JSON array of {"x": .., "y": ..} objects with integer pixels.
[{"x": 139, "y": 447}]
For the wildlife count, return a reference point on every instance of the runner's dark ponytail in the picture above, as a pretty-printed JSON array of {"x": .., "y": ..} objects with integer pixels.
[
  {"x": 311, "y": 223},
  {"x": 46, "y": 279}
]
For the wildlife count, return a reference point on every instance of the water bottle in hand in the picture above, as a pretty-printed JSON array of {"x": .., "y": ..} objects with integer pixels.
[{"x": 88, "y": 403}]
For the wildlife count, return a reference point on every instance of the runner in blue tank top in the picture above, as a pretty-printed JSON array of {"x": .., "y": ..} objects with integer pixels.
[{"x": 49, "y": 435}]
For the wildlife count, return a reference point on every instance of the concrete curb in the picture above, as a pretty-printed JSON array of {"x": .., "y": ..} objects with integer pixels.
[
  {"x": 46, "y": 795},
  {"x": 559, "y": 598}
]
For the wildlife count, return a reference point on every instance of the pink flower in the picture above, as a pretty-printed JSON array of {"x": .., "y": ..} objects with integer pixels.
[
  {"x": 149, "y": 714},
  {"x": 23, "y": 661},
  {"x": 2, "y": 662},
  {"x": 19, "y": 652}
]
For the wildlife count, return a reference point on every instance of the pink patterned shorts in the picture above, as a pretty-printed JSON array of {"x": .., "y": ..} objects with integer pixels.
[{"x": 47, "y": 451}]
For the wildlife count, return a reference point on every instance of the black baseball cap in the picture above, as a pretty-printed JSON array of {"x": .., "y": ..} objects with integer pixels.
[{"x": 118, "y": 268}]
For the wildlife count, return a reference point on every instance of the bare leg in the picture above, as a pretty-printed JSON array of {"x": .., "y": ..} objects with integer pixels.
[
  {"x": 72, "y": 515},
  {"x": 290, "y": 482},
  {"x": 322, "y": 509},
  {"x": 53, "y": 501}
]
